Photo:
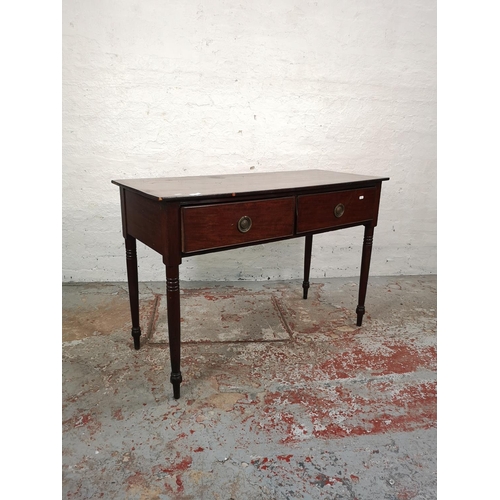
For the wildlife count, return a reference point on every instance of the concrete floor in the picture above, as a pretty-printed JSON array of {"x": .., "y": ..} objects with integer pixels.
[{"x": 283, "y": 398}]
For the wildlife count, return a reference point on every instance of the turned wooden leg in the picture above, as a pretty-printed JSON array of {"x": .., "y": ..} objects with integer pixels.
[
  {"x": 365, "y": 268},
  {"x": 133, "y": 288},
  {"x": 174, "y": 327},
  {"x": 307, "y": 264}
]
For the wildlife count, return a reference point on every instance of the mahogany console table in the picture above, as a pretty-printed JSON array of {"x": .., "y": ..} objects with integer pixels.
[{"x": 185, "y": 216}]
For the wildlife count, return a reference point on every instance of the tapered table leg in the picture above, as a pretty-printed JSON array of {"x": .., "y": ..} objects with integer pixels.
[
  {"x": 365, "y": 268},
  {"x": 174, "y": 327},
  {"x": 307, "y": 264},
  {"x": 133, "y": 288}
]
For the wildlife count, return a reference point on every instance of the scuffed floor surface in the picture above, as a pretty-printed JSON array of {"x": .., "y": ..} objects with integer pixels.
[{"x": 283, "y": 398}]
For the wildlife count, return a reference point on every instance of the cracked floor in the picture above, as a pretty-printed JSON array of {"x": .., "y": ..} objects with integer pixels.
[{"x": 283, "y": 398}]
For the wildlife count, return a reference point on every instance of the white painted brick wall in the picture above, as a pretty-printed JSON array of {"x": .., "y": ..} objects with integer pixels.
[{"x": 184, "y": 87}]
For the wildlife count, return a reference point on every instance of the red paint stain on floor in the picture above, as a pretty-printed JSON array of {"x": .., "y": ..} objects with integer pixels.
[
  {"x": 282, "y": 422},
  {"x": 323, "y": 480},
  {"x": 260, "y": 463},
  {"x": 117, "y": 415},
  {"x": 180, "y": 486},
  {"x": 178, "y": 466},
  {"x": 404, "y": 493},
  {"x": 83, "y": 420},
  {"x": 340, "y": 412},
  {"x": 391, "y": 358},
  {"x": 86, "y": 420},
  {"x": 136, "y": 479}
]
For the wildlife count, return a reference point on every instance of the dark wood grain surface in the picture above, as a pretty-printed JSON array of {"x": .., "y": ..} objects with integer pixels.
[
  {"x": 316, "y": 211},
  {"x": 216, "y": 226},
  {"x": 194, "y": 187}
]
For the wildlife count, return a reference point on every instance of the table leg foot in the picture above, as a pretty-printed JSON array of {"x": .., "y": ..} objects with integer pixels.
[
  {"x": 305, "y": 286},
  {"x": 136, "y": 334},
  {"x": 360, "y": 311},
  {"x": 176, "y": 379}
]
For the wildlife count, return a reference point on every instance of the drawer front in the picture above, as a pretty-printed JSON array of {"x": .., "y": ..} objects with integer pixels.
[
  {"x": 328, "y": 210},
  {"x": 229, "y": 224}
]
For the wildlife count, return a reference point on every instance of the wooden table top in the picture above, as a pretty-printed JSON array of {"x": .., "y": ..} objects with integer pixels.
[{"x": 208, "y": 186}]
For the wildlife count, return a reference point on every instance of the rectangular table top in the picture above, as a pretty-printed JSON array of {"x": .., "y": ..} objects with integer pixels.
[{"x": 208, "y": 186}]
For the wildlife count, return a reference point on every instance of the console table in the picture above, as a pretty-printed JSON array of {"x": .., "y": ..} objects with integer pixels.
[{"x": 185, "y": 216}]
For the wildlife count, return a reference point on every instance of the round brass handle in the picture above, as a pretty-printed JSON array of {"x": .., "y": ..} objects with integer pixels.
[
  {"x": 244, "y": 224},
  {"x": 339, "y": 210}
]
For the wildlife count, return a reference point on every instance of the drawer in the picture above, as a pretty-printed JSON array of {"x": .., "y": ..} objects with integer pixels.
[
  {"x": 230, "y": 224},
  {"x": 327, "y": 210}
]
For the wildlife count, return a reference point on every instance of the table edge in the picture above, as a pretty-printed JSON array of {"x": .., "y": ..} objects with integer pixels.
[{"x": 337, "y": 186}]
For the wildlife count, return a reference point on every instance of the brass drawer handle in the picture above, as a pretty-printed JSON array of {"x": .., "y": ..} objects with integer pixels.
[
  {"x": 339, "y": 210},
  {"x": 244, "y": 224}
]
